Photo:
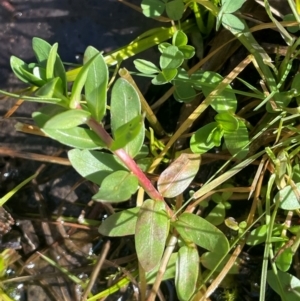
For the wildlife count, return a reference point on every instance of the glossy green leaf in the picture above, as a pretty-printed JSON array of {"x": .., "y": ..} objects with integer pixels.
[
  {"x": 187, "y": 270},
  {"x": 290, "y": 285},
  {"x": 196, "y": 229},
  {"x": 171, "y": 58},
  {"x": 259, "y": 235},
  {"x": 169, "y": 74},
  {"x": 51, "y": 61},
  {"x": 175, "y": 9},
  {"x": 217, "y": 215},
  {"x": 216, "y": 136},
  {"x": 53, "y": 88},
  {"x": 76, "y": 137},
  {"x": 120, "y": 224},
  {"x": 159, "y": 79},
  {"x": 125, "y": 105},
  {"x": 236, "y": 141},
  {"x": 162, "y": 46},
  {"x": 187, "y": 51},
  {"x": 178, "y": 176},
  {"x": 152, "y": 8},
  {"x": 228, "y": 122},
  {"x": 119, "y": 186},
  {"x": 207, "y": 82},
  {"x": 291, "y": 18},
  {"x": 41, "y": 50},
  {"x": 22, "y": 72},
  {"x": 79, "y": 82},
  {"x": 94, "y": 165},
  {"x": 127, "y": 132},
  {"x": 200, "y": 142},
  {"x": 151, "y": 233},
  {"x": 288, "y": 198},
  {"x": 145, "y": 66},
  {"x": 169, "y": 273},
  {"x": 96, "y": 83},
  {"x": 68, "y": 119},
  {"x": 179, "y": 38}
]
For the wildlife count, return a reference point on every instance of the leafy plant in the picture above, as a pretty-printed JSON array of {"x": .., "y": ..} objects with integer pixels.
[{"x": 171, "y": 239}]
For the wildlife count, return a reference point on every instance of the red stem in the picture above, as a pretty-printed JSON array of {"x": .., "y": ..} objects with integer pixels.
[{"x": 127, "y": 160}]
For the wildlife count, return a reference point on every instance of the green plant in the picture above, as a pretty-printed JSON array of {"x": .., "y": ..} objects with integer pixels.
[{"x": 170, "y": 238}]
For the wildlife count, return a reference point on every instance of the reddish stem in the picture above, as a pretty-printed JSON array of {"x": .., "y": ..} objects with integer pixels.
[{"x": 127, "y": 160}]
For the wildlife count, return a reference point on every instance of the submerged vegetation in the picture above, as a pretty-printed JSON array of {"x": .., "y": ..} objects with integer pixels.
[{"x": 175, "y": 197}]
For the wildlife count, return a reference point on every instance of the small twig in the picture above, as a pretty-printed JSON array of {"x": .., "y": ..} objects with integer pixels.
[{"x": 97, "y": 269}]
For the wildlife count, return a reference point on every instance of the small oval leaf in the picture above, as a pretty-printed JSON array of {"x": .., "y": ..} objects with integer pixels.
[
  {"x": 187, "y": 270},
  {"x": 194, "y": 228},
  {"x": 151, "y": 232},
  {"x": 288, "y": 198},
  {"x": 178, "y": 176},
  {"x": 67, "y": 120},
  {"x": 94, "y": 165},
  {"x": 120, "y": 224},
  {"x": 117, "y": 187}
]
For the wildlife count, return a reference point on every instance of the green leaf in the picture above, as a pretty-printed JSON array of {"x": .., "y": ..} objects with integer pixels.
[
  {"x": 162, "y": 46},
  {"x": 291, "y": 18},
  {"x": 145, "y": 67},
  {"x": 171, "y": 58},
  {"x": 229, "y": 6},
  {"x": 151, "y": 233},
  {"x": 95, "y": 166},
  {"x": 184, "y": 92},
  {"x": 216, "y": 136},
  {"x": 68, "y": 119},
  {"x": 217, "y": 215},
  {"x": 285, "y": 259},
  {"x": 125, "y": 105},
  {"x": 169, "y": 74},
  {"x": 120, "y": 224},
  {"x": 152, "y": 8},
  {"x": 200, "y": 142},
  {"x": 178, "y": 176},
  {"x": 228, "y": 122},
  {"x": 23, "y": 73},
  {"x": 213, "y": 261},
  {"x": 287, "y": 198},
  {"x": 187, "y": 270},
  {"x": 79, "y": 82},
  {"x": 175, "y": 9},
  {"x": 233, "y": 23},
  {"x": 159, "y": 79},
  {"x": 127, "y": 132},
  {"x": 187, "y": 51},
  {"x": 41, "y": 50},
  {"x": 51, "y": 61},
  {"x": 196, "y": 229},
  {"x": 54, "y": 88},
  {"x": 169, "y": 273},
  {"x": 290, "y": 285},
  {"x": 207, "y": 82},
  {"x": 179, "y": 38},
  {"x": 96, "y": 83},
  {"x": 236, "y": 141},
  {"x": 76, "y": 137},
  {"x": 119, "y": 186}
]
